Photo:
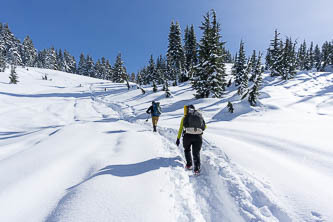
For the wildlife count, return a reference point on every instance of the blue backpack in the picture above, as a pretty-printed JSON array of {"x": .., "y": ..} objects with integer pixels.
[{"x": 156, "y": 109}]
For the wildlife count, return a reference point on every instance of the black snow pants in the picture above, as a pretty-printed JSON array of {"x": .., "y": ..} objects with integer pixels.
[{"x": 196, "y": 142}]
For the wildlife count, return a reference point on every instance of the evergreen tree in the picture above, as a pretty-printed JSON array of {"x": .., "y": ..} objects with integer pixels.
[
  {"x": 230, "y": 107},
  {"x": 325, "y": 56},
  {"x": 98, "y": 69},
  {"x": 166, "y": 89},
  {"x": 209, "y": 74},
  {"x": 311, "y": 57},
  {"x": 40, "y": 63},
  {"x": 160, "y": 69},
  {"x": 190, "y": 47},
  {"x": 288, "y": 61},
  {"x": 254, "y": 93},
  {"x": 61, "y": 64},
  {"x": 29, "y": 52},
  {"x": 175, "y": 54},
  {"x": 244, "y": 79},
  {"x": 51, "y": 59},
  {"x": 252, "y": 65},
  {"x": 119, "y": 70},
  {"x": 228, "y": 57},
  {"x": 2, "y": 52},
  {"x": 12, "y": 46},
  {"x": 70, "y": 62},
  {"x": 317, "y": 58},
  {"x": 275, "y": 54},
  {"x": 268, "y": 60},
  {"x": 2, "y": 63},
  {"x": 82, "y": 67},
  {"x": 90, "y": 67},
  {"x": 154, "y": 86},
  {"x": 13, "y": 76},
  {"x": 151, "y": 71},
  {"x": 139, "y": 78},
  {"x": 132, "y": 78},
  {"x": 302, "y": 56},
  {"x": 103, "y": 68},
  {"x": 109, "y": 70},
  {"x": 239, "y": 68}
]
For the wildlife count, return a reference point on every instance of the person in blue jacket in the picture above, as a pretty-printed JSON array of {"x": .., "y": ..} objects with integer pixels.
[{"x": 155, "y": 111}]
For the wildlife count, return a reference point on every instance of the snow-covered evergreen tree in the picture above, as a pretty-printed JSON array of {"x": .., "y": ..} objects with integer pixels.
[
  {"x": 161, "y": 68},
  {"x": 119, "y": 71},
  {"x": 90, "y": 67},
  {"x": 190, "y": 48},
  {"x": 325, "y": 55},
  {"x": 40, "y": 62},
  {"x": 254, "y": 92},
  {"x": 139, "y": 78},
  {"x": 239, "y": 68},
  {"x": 317, "y": 58},
  {"x": 311, "y": 57},
  {"x": 82, "y": 66},
  {"x": 70, "y": 62},
  {"x": 230, "y": 107},
  {"x": 302, "y": 59},
  {"x": 2, "y": 52},
  {"x": 288, "y": 62},
  {"x": 98, "y": 69},
  {"x": 175, "y": 54},
  {"x": 228, "y": 56},
  {"x": 132, "y": 77},
  {"x": 2, "y": 63},
  {"x": 109, "y": 70},
  {"x": 244, "y": 79},
  {"x": 61, "y": 63},
  {"x": 154, "y": 86},
  {"x": 268, "y": 60},
  {"x": 209, "y": 74},
  {"x": 29, "y": 52},
  {"x": 251, "y": 65},
  {"x": 151, "y": 75},
  {"x": 12, "y": 46},
  {"x": 51, "y": 59},
  {"x": 13, "y": 78},
  {"x": 275, "y": 51}
]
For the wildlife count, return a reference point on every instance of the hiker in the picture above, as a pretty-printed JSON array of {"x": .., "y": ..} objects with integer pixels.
[
  {"x": 192, "y": 126},
  {"x": 155, "y": 111}
]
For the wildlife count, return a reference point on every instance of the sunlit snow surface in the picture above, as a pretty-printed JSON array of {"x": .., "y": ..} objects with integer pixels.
[{"x": 73, "y": 148}]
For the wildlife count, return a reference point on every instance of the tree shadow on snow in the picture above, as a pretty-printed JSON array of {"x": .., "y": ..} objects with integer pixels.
[
  {"x": 135, "y": 169},
  {"x": 115, "y": 131}
]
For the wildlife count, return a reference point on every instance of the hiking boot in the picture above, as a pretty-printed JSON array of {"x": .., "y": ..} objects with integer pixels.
[
  {"x": 188, "y": 167},
  {"x": 197, "y": 170},
  {"x": 154, "y": 127}
]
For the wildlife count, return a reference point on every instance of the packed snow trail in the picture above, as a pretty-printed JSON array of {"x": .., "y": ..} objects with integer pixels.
[{"x": 78, "y": 149}]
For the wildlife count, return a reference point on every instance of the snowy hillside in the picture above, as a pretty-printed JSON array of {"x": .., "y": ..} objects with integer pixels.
[{"x": 73, "y": 148}]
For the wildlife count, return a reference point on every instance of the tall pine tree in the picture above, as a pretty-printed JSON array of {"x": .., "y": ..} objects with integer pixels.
[
  {"x": 175, "y": 54},
  {"x": 209, "y": 74},
  {"x": 119, "y": 70}
]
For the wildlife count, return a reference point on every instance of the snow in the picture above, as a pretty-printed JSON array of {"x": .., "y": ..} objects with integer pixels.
[{"x": 72, "y": 151}]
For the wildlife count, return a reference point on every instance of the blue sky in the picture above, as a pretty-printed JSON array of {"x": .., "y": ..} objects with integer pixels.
[{"x": 140, "y": 28}]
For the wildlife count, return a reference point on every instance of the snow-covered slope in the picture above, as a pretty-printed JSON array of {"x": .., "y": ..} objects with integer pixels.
[{"x": 74, "y": 148}]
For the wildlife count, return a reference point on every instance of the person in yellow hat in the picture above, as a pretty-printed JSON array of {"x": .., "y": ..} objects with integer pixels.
[{"x": 191, "y": 127}]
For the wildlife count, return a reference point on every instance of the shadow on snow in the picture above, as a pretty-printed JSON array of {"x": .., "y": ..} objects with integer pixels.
[{"x": 128, "y": 170}]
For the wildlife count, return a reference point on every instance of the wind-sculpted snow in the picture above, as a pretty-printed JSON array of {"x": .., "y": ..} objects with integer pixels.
[{"x": 73, "y": 148}]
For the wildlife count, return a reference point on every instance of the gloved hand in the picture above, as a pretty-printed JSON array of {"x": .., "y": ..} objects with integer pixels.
[{"x": 177, "y": 142}]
